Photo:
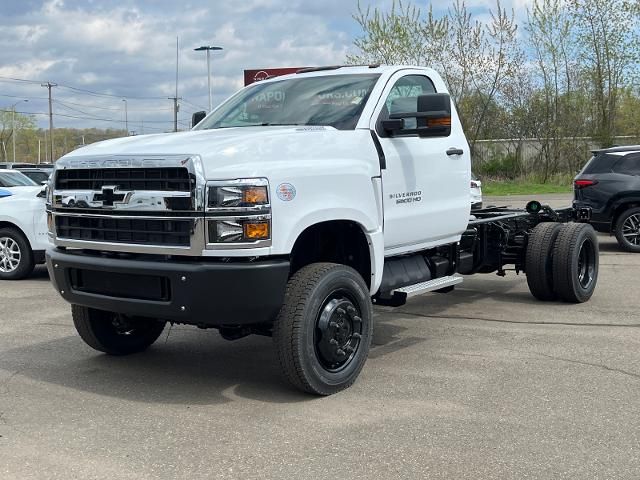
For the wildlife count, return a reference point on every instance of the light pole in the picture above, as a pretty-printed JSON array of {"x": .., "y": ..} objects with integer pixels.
[
  {"x": 13, "y": 127},
  {"x": 126, "y": 116},
  {"x": 208, "y": 49}
]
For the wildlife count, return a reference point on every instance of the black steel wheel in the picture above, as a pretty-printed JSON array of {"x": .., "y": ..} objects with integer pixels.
[
  {"x": 539, "y": 260},
  {"x": 576, "y": 263},
  {"x": 114, "y": 333},
  {"x": 16, "y": 256},
  {"x": 627, "y": 230},
  {"x": 324, "y": 329}
]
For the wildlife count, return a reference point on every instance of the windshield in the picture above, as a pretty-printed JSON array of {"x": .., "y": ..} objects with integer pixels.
[
  {"x": 15, "y": 179},
  {"x": 334, "y": 100},
  {"x": 36, "y": 176}
]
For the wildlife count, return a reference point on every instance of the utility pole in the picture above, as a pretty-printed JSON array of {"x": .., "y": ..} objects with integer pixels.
[
  {"x": 176, "y": 107},
  {"x": 13, "y": 127},
  {"x": 49, "y": 85},
  {"x": 126, "y": 116},
  {"x": 175, "y": 99}
]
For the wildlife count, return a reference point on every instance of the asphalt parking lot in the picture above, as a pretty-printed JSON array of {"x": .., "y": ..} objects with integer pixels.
[{"x": 484, "y": 382}]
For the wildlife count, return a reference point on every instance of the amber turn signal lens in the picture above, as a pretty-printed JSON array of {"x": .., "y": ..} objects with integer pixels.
[
  {"x": 255, "y": 195},
  {"x": 439, "y": 122},
  {"x": 256, "y": 230}
]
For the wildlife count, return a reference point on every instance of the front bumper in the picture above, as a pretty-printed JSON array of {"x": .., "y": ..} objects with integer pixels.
[{"x": 183, "y": 291}]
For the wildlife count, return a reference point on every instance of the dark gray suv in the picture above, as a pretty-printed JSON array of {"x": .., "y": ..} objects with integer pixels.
[{"x": 610, "y": 185}]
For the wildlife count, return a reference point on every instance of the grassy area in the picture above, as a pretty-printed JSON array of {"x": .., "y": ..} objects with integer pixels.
[{"x": 500, "y": 188}]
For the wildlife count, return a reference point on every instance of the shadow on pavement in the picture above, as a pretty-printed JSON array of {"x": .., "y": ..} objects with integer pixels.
[
  {"x": 191, "y": 367},
  {"x": 188, "y": 369}
]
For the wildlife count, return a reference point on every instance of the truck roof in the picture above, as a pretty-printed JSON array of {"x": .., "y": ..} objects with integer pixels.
[{"x": 350, "y": 70}]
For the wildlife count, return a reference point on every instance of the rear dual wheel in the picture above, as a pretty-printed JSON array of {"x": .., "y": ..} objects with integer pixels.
[{"x": 562, "y": 262}]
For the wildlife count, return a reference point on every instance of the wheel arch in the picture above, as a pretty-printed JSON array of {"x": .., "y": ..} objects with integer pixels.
[
  {"x": 7, "y": 224},
  {"x": 343, "y": 241},
  {"x": 620, "y": 206}
]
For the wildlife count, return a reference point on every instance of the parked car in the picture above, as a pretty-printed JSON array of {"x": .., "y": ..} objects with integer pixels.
[
  {"x": 610, "y": 185},
  {"x": 20, "y": 165},
  {"x": 23, "y": 225},
  {"x": 38, "y": 175},
  {"x": 476, "y": 192}
]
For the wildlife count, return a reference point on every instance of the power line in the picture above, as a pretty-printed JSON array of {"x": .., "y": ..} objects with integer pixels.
[
  {"x": 82, "y": 90},
  {"x": 23, "y": 96},
  {"x": 113, "y": 109},
  {"x": 193, "y": 104},
  {"x": 101, "y": 94},
  {"x": 85, "y": 118}
]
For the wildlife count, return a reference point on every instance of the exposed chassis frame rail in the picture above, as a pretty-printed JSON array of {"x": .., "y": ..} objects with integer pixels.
[{"x": 498, "y": 236}]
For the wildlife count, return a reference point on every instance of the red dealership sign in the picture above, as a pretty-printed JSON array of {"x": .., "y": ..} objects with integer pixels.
[{"x": 253, "y": 76}]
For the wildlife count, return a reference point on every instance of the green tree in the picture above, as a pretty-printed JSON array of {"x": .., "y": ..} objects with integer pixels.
[
  {"x": 20, "y": 125},
  {"x": 608, "y": 40}
]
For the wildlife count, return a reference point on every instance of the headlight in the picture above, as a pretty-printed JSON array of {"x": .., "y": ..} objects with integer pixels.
[
  {"x": 238, "y": 213},
  {"x": 239, "y": 194},
  {"x": 238, "y": 230}
]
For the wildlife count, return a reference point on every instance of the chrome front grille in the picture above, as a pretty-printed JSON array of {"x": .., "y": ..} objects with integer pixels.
[
  {"x": 168, "y": 232},
  {"x": 169, "y": 179},
  {"x": 137, "y": 204}
]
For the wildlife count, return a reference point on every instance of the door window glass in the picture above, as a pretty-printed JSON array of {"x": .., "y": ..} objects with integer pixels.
[{"x": 403, "y": 97}]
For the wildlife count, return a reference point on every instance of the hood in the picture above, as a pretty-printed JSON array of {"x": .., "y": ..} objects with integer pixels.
[
  {"x": 25, "y": 191},
  {"x": 237, "y": 152}
]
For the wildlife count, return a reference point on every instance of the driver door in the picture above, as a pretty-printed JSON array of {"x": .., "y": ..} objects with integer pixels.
[{"x": 426, "y": 189}]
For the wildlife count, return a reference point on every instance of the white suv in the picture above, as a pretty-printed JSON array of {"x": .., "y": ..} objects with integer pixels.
[{"x": 23, "y": 225}]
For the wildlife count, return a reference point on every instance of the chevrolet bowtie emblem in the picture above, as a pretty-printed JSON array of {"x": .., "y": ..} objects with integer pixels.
[{"x": 109, "y": 196}]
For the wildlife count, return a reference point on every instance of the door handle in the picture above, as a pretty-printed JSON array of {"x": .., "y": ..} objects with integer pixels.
[{"x": 455, "y": 151}]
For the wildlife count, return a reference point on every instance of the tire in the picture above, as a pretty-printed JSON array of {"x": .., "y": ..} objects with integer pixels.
[
  {"x": 324, "y": 329},
  {"x": 16, "y": 256},
  {"x": 113, "y": 333},
  {"x": 576, "y": 262},
  {"x": 539, "y": 260},
  {"x": 627, "y": 230}
]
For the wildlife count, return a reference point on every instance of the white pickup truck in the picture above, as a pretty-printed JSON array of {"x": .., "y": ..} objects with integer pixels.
[{"x": 287, "y": 212}]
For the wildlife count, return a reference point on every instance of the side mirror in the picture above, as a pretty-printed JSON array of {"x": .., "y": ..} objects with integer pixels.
[
  {"x": 433, "y": 118},
  {"x": 197, "y": 117}
]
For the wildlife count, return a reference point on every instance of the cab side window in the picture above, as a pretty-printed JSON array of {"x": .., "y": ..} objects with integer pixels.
[{"x": 403, "y": 97}]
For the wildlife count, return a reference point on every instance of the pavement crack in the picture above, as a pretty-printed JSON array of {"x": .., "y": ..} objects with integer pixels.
[
  {"x": 517, "y": 322},
  {"x": 5, "y": 383},
  {"x": 589, "y": 364}
]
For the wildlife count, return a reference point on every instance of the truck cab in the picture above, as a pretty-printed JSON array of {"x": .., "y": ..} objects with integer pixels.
[{"x": 284, "y": 212}]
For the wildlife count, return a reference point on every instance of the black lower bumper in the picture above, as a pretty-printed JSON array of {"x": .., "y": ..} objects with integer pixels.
[{"x": 198, "y": 293}]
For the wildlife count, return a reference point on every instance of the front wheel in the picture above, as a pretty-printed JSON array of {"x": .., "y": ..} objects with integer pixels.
[
  {"x": 114, "y": 333},
  {"x": 324, "y": 329},
  {"x": 16, "y": 256},
  {"x": 627, "y": 230}
]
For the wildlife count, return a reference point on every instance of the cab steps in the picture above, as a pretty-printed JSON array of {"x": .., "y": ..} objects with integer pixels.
[
  {"x": 428, "y": 286},
  {"x": 398, "y": 297}
]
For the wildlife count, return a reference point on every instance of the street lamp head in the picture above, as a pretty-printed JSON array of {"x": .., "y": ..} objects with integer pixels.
[
  {"x": 19, "y": 101},
  {"x": 207, "y": 47}
]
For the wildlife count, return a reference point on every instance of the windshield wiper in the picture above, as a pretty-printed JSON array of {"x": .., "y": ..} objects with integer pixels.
[{"x": 269, "y": 124}]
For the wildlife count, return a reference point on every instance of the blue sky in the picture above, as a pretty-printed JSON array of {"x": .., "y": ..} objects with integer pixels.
[{"x": 127, "y": 49}]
